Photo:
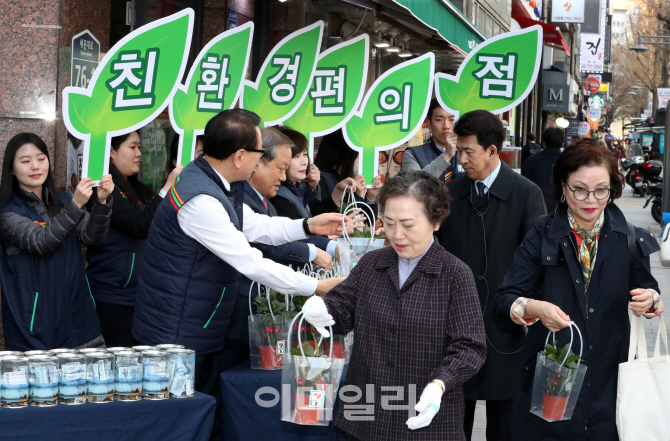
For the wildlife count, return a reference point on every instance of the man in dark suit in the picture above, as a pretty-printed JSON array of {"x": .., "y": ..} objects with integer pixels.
[
  {"x": 538, "y": 168},
  {"x": 261, "y": 186},
  {"x": 492, "y": 210}
]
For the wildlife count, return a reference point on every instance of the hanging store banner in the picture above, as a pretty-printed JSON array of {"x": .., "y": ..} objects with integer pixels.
[
  {"x": 132, "y": 85},
  {"x": 663, "y": 97},
  {"x": 337, "y": 89},
  {"x": 592, "y": 53},
  {"x": 213, "y": 84},
  {"x": 567, "y": 11},
  {"x": 583, "y": 128}
]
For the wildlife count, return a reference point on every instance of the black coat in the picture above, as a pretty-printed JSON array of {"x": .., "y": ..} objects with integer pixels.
[
  {"x": 546, "y": 268},
  {"x": 514, "y": 204},
  {"x": 429, "y": 329},
  {"x": 539, "y": 169}
]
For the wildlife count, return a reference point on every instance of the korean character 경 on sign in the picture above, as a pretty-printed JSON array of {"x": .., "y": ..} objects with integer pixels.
[
  {"x": 329, "y": 83},
  {"x": 395, "y": 105},
  {"x": 283, "y": 82},
  {"x": 494, "y": 83},
  {"x": 137, "y": 74},
  {"x": 214, "y": 79}
]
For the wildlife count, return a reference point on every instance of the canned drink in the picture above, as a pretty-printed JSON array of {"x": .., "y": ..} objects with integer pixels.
[
  {"x": 72, "y": 384},
  {"x": 144, "y": 348},
  {"x": 37, "y": 352},
  {"x": 128, "y": 376},
  {"x": 91, "y": 350},
  {"x": 62, "y": 351},
  {"x": 14, "y": 387},
  {"x": 155, "y": 380},
  {"x": 167, "y": 346},
  {"x": 114, "y": 350},
  {"x": 43, "y": 377},
  {"x": 100, "y": 377},
  {"x": 181, "y": 370},
  {"x": 16, "y": 353}
]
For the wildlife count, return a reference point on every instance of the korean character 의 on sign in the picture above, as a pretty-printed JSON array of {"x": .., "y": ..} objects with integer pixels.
[{"x": 396, "y": 106}]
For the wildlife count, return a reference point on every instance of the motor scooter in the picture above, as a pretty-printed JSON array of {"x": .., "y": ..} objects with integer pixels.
[
  {"x": 633, "y": 177},
  {"x": 656, "y": 193}
]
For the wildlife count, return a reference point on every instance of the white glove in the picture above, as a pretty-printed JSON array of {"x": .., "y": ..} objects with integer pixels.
[
  {"x": 316, "y": 313},
  {"x": 428, "y": 405}
]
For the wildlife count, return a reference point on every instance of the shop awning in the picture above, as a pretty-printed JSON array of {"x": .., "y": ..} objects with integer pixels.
[
  {"x": 447, "y": 21},
  {"x": 552, "y": 35}
]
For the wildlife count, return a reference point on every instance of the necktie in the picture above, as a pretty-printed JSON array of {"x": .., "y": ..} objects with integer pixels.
[
  {"x": 480, "y": 189},
  {"x": 265, "y": 202}
]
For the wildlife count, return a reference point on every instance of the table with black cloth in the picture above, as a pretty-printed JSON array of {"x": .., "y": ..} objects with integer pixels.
[
  {"x": 242, "y": 419},
  {"x": 182, "y": 419}
]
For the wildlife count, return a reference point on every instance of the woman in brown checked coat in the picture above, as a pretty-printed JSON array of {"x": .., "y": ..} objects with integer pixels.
[{"x": 418, "y": 324}]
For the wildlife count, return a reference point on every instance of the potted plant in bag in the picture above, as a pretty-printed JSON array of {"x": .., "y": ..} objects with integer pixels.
[
  {"x": 558, "y": 386},
  {"x": 311, "y": 384},
  {"x": 270, "y": 331}
]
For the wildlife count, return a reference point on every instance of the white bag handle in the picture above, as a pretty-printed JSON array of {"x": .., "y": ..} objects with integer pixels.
[
  {"x": 267, "y": 292},
  {"x": 637, "y": 341},
  {"x": 663, "y": 335},
  {"x": 288, "y": 338},
  {"x": 581, "y": 344}
]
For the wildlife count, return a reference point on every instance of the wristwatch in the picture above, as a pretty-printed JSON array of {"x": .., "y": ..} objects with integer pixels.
[{"x": 305, "y": 227}]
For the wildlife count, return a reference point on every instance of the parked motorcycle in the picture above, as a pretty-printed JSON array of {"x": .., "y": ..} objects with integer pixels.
[
  {"x": 633, "y": 177},
  {"x": 656, "y": 193}
]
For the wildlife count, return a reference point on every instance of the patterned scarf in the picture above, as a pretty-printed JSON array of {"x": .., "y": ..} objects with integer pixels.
[{"x": 588, "y": 245}]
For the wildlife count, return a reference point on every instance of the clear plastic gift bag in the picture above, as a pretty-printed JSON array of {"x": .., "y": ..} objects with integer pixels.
[
  {"x": 351, "y": 249},
  {"x": 342, "y": 346},
  {"x": 310, "y": 379},
  {"x": 267, "y": 337},
  {"x": 559, "y": 374}
]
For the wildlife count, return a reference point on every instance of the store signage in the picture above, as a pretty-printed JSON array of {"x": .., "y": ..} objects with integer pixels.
[
  {"x": 567, "y": 11},
  {"x": 603, "y": 87},
  {"x": 132, "y": 85},
  {"x": 583, "y": 128},
  {"x": 573, "y": 128},
  {"x": 663, "y": 97},
  {"x": 556, "y": 98},
  {"x": 85, "y": 57},
  {"x": 592, "y": 53},
  {"x": 596, "y": 101},
  {"x": 594, "y": 114},
  {"x": 592, "y": 84},
  {"x": 232, "y": 19},
  {"x": 297, "y": 85}
]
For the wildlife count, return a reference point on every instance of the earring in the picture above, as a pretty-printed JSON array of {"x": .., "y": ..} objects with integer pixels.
[{"x": 563, "y": 198}]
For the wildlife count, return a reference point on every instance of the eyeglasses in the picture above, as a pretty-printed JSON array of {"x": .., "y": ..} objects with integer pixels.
[
  {"x": 262, "y": 151},
  {"x": 582, "y": 195}
]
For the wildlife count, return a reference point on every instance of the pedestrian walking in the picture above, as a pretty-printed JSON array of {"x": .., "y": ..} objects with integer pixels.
[
  {"x": 531, "y": 148},
  {"x": 538, "y": 167}
]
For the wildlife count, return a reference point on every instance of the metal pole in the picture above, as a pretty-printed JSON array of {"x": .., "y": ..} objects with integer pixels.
[
  {"x": 666, "y": 165},
  {"x": 132, "y": 15}
]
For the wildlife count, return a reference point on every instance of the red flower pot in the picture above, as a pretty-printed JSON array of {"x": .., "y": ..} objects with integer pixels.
[
  {"x": 338, "y": 352},
  {"x": 553, "y": 408},
  {"x": 269, "y": 357},
  {"x": 303, "y": 413}
]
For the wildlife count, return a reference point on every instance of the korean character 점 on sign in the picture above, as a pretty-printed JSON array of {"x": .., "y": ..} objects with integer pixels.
[
  {"x": 497, "y": 75},
  {"x": 395, "y": 105},
  {"x": 135, "y": 79},
  {"x": 283, "y": 82},
  {"x": 214, "y": 79},
  {"x": 329, "y": 84}
]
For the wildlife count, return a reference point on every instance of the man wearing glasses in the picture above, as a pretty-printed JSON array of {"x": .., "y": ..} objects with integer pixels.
[{"x": 198, "y": 248}]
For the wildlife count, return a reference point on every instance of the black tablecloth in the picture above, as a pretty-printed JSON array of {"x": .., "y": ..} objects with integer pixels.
[
  {"x": 182, "y": 419},
  {"x": 242, "y": 419}
]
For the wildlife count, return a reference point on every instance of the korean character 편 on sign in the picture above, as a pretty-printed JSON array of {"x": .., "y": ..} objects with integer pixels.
[
  {"x": 214, "y": 79},
  {"x": 133, "y": 74},
  {"x": 395, "y": 105},
  {"x": 329, "y": 84},
  {"x": 495, "y": 84},
  {"x": 283, "y": 82}
]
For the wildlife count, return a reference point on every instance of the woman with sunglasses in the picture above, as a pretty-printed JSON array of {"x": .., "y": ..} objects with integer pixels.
[{"x": 578, "y": 266}]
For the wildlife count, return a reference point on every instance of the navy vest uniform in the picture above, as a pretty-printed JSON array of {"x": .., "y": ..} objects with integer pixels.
[
  {"x": 46, "y": 301},
  {"x": 427, "y": 153},
  {"x": 186, "y": 293}
]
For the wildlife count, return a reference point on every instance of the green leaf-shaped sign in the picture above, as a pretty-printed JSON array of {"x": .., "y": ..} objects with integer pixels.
[
  {"x": 131, "y": 86},
  {"x": 285, "y": 76},
  {"x": 392, "y": 112},
  {"x": 337, "y": 89},
  {"x": 213, "y": 85},
  {"x": 497, "y": 76}
]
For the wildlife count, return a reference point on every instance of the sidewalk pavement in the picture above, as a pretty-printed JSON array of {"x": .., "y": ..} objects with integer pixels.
[{"x": 635, "y": 214}]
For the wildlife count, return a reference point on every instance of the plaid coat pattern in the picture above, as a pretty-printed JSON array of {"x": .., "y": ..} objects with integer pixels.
[{"x": 431, "y": 328}]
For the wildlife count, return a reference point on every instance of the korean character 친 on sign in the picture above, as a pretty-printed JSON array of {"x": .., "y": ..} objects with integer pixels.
[
  {"x": 497, "y": 75},
  {"x": 329, "y": 84},
  {"x": 283, "y": 82},
  {"x": 133, "y": 73},
  {"x": 214, "y": 79},
  {"x": 395, "y": 105}
]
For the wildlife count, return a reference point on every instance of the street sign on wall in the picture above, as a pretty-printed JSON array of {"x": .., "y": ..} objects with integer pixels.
[
  {"x": 567, "y": 11},
  {"x": 592, "y": 84},
  {"x": 85, "y": 57}
]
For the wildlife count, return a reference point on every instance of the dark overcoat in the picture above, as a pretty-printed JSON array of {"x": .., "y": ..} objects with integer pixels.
[
  {"x": 429, "y": 329},
  {"x": 484, "y": 233},
  {"x": 546, "y": 268}
]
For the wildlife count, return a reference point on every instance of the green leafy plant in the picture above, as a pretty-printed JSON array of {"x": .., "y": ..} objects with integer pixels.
[
  {"x": 558, "y": 384},
  {"x": 277, "y": 305}
]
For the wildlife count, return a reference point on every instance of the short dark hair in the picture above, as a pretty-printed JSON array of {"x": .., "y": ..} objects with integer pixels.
[
  {"x": 485, "y": 125},
  {"x": 586, "y": 152},
  {"x": 131, "y": 186},
  {"x": 300, "y": 143},
  {"x": 335, "y": 154},
  {"x": 553, "y": 138},
  {"x": 423, "y": 187},
  {"x": 530, "y": 136},
  {"x": 434, "y": 104},
  {"x": 230, "y": 131}
]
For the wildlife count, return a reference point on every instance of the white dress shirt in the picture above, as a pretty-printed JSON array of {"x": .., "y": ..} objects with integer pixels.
[
  {"x": 205, "y": 220},
  {"x": 488, "y": 181}
]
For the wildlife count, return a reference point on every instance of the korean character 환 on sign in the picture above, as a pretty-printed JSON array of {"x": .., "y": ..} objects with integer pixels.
[
  {"x": 329, "y": 84},
  {"x": 396, "y": 105},
  {"x": 283, "y": 82},
  {"x": 214, "y": 79},
  {"x": 133, "y": 73},
  {"x": 495, "y": 84}
]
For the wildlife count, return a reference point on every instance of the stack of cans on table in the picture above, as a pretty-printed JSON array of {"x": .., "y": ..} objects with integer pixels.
[{"x": 95, "y": 375}]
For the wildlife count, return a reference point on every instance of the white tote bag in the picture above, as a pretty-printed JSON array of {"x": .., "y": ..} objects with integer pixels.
[
  {"x": 643, "y": 393},
  {"x": 664, "y": 255}
]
